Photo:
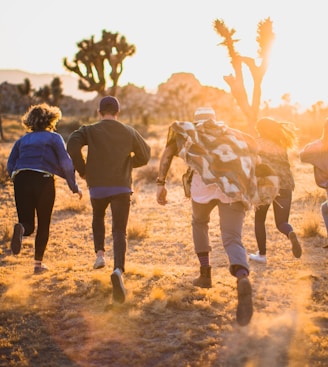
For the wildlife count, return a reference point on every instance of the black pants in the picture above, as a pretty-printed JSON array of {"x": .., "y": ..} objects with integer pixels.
[
  {"x": 120, "y": 207},
  {"x": 35, "y": 194},
  {"x": 281, "y": 210}
]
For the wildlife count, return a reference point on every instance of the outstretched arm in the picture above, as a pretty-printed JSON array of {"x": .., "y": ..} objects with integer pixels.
[{"x": 164, "y": 165}]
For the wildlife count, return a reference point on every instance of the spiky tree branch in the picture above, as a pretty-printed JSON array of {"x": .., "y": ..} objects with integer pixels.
[
  {"x": 92, "y": 58},
  {"x": 265, "y": 37}
]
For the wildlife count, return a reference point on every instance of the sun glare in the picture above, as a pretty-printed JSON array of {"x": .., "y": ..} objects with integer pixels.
[{"x": 172, "y": 37}]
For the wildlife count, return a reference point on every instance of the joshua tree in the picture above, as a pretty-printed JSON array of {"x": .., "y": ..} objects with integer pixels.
[
  {"x": 265, "y": 38},
  {"x": 56, "y": 91},
  {"x": 43, "y": 94},
  {"x": 50, "y": 94},
  {"x": 25, "y": 88},
  {"x": 92, "y": 58}
]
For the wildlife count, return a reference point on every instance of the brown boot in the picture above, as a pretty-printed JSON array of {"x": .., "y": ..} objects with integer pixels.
[{"x": 205, "y": 279}]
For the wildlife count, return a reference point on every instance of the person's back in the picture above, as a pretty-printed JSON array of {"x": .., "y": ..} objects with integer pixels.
[
  {"x": 113, "y": 150},
  {"x": 316, "y": 153},
  {"x": 223, "y": 161},
  {"x": 110, "y": 146},
  {"x": 275, "y": 138},
  {"x": 33, "y": 162}
]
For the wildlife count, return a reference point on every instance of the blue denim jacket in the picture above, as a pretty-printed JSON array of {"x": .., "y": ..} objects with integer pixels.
[{"x": 42, "y": 151}]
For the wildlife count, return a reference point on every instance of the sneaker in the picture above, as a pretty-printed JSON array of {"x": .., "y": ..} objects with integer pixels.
[
  {"x": 118, "y": 286},
  {"x": 16, "y": 241},
  {"x": 40, "y": 269},
  {"x": 258, "y": 258},
  {"x": 100, "y": 262},
  {"x": 245, "y": 304},
  {"x": 296, "y": 247}
]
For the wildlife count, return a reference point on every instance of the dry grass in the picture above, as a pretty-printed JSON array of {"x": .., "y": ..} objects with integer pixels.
[{"x": 66, "y": 317}]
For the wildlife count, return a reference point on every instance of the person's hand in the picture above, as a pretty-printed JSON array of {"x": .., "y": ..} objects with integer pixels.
[
  {"x": 80, "y": 194},
  {"x": 161, "y": 195}
]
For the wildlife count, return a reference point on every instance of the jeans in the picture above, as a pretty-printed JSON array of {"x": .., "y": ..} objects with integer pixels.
[
  {"x": 35, "y": 193},
  {"x": 281, "y": 210},
  {"x": 120, "y": 208},
  {"x": 231, "y": 223}
]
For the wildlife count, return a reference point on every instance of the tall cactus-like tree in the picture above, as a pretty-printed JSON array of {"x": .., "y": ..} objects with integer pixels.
[
  {"x": 93, "y": 57},
  {"x": 56, "y": 91},
  {"x": 25, "y": 88},
  {"x": 236, "y": 82}
]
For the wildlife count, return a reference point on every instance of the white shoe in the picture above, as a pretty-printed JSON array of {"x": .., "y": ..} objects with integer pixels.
[
  {"x": 119, "y": 292},
  {"x": 258, "y": 258},
  {"x": 100, "y": 262}
]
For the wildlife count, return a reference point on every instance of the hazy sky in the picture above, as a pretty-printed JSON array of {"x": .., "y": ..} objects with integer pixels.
[{"x": 175, "y": 36}]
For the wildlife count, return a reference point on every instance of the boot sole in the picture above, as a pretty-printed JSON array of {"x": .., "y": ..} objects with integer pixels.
[
  {"x": 118, "y": 288},
  {"x": 245, "y": 303},
  {"x": 16, "y": 241},
  {"x": 296, "y": 247}
]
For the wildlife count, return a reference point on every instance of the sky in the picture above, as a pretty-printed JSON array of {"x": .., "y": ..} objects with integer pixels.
[{"x": 173, "y": 36}]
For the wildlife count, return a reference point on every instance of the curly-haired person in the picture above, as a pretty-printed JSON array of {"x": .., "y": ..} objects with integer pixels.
[{"x": 34, "y": 161}]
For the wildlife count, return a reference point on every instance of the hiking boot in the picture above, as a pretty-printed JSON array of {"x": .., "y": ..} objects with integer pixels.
[
  {"x": 16, "y": 241},
  {"x": 205, "y": 278},
  {"x": 118, "y": 286},
  {"x": 296, "y": 247},
  {"x": 258, "y": 258},
  {"x": 245, "y": 304},
  {"x": 100, "y": 262},
  {"x": 39, "y": 269}
]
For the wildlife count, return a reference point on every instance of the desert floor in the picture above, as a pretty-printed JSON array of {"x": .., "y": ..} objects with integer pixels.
[{"x": 66, "y": 317}]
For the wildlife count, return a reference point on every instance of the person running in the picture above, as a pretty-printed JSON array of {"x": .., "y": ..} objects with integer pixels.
[
  {"x": 223, "y": 163},
  {"x": 33, "y": 162},
  {"x": 275, "y": 139},
  {"x": 316, "y": 153},
  {"x": 114, "y": 149}
]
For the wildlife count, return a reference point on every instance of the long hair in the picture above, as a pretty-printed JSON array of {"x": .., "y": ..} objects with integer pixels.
[
  {"x": 41, "y": 117},
  {"x": 281, "y": 133}
]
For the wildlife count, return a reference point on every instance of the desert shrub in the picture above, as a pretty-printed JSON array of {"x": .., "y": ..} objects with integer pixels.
[
  {"x": 311, "y": 223},
  {"x": 6, "y": 232},
  {"x": 4, "y": 177},
  {"x": 146, "y": 174},
  {"x": 67, "y": 127},
  {"x": 314, "y": 197},
  {"x": 74, "y": 206},
  {"x": 137, "y": 231},
  {"x": 311, "y": 216}
]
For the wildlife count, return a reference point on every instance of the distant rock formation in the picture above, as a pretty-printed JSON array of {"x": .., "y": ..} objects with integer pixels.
[{"x": 69, "y": 82}]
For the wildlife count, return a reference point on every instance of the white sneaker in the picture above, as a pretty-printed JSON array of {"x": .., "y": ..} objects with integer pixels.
[
  {"x": 258, "y": 258},
  {"x": 100, "y": 262},
  {"x": 118, "y": 286}
]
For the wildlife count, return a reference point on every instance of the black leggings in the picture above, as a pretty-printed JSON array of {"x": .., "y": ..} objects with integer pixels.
[
  {"x": 35, "y": 193},
  {"x": 281, "y": 210}
]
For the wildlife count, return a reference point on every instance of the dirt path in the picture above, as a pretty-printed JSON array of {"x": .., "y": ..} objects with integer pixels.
[{"x": 66, "y": 318}]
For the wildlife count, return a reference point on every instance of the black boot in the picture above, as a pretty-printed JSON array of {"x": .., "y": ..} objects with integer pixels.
[{"x": 205, "y": 278}]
